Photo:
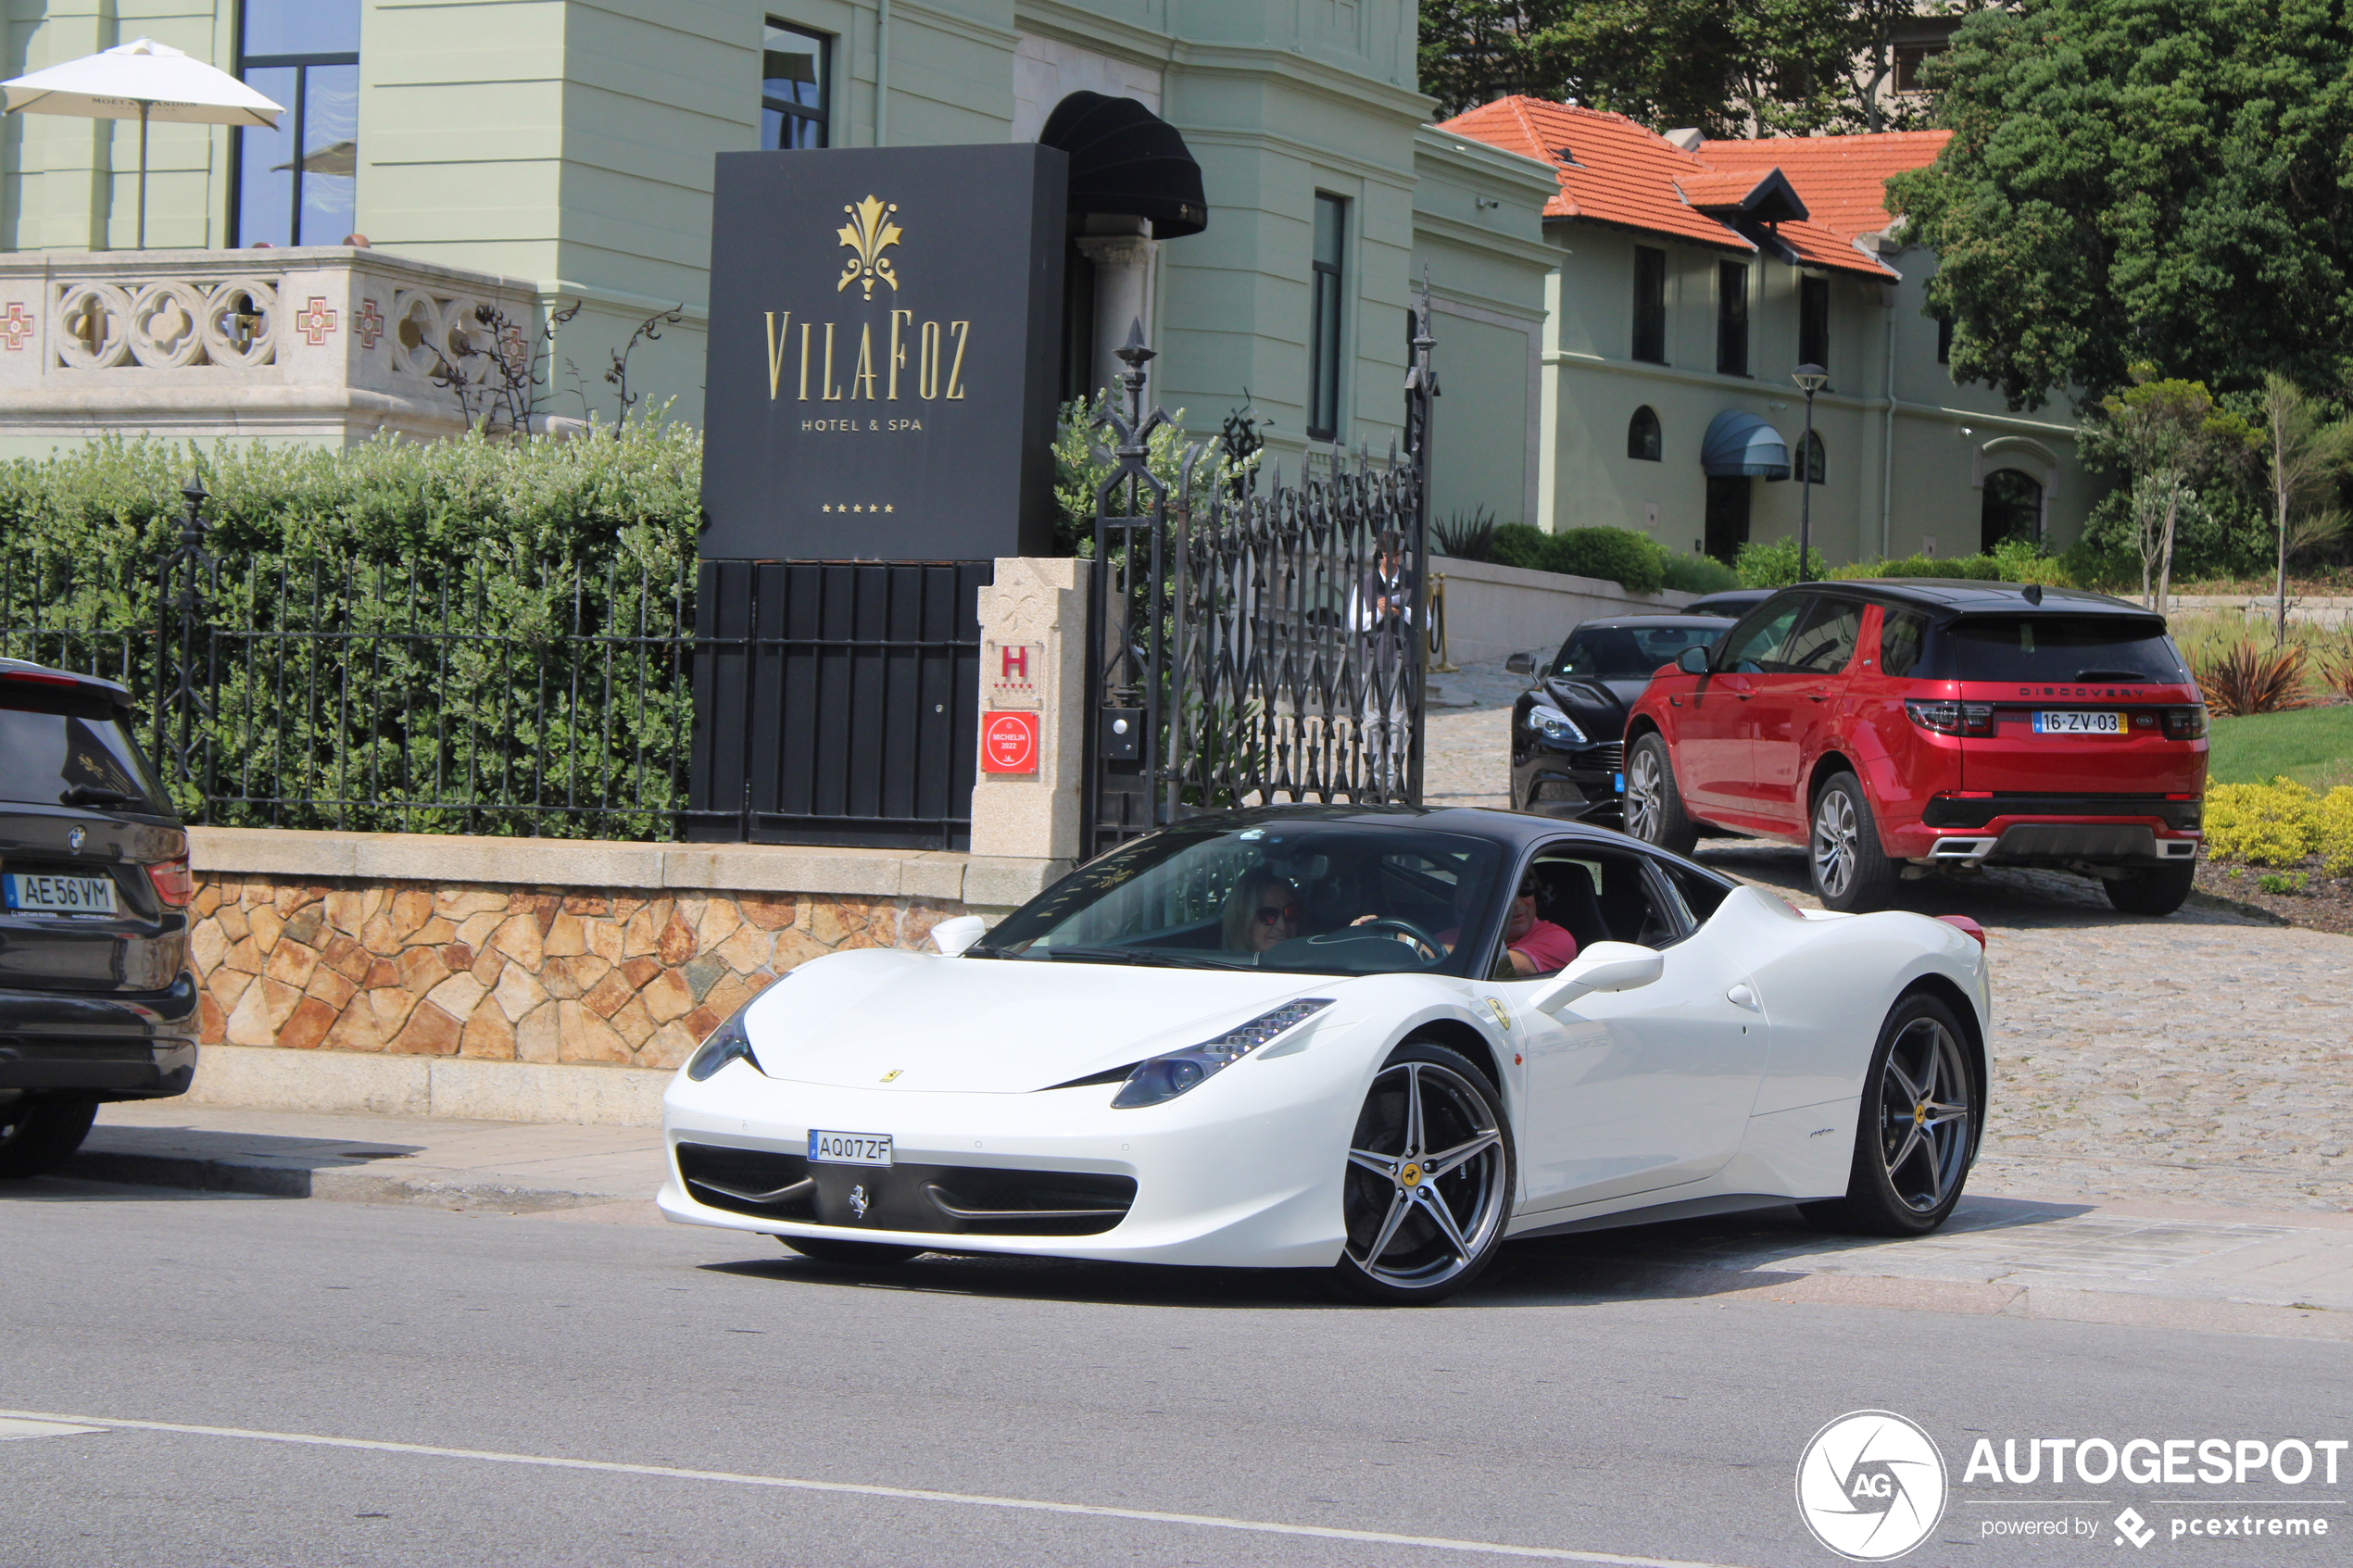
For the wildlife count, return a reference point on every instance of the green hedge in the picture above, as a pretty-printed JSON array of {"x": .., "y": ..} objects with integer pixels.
[
  {"x": 521, "y": 547},
  {"x": 1632, "y": 560}
]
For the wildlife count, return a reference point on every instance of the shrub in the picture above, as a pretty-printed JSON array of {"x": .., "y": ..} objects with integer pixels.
[
  {"x": 2282, "y": 882},
  {"x": 2272, "y": 824},
  {"x": 1774, "y": 565},
  {"x": 1632, "y": 560},
  {"x": 1699, "y": 574},
  {"x": 2333, "y": 821},
  {"x": 1516, "y": 543},
  {"x": 2245, "y": 678},
  {"x": 1463, "y": 536}
]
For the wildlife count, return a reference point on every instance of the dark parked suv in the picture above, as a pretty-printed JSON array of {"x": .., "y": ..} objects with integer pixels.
[
  {"x": 96, "y": 1000},
  {"x": 1905, "y": 726}
]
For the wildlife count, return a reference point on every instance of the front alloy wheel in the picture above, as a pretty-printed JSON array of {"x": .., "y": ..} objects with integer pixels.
[
  {"x": 1652, "y": 809},
  {"x": 1429, "y": 1180},
  {"x": 1920, "y": 1113}
]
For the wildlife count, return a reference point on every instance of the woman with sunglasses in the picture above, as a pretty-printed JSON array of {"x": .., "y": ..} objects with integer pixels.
[{"x": 1261, "y": 912}]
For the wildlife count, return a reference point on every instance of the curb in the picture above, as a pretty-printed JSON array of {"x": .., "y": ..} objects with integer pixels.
[{"x": 350, "y": 1184}]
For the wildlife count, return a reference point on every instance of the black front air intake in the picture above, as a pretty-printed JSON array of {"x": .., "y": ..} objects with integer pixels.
[{"x": 955, "y": 1200}]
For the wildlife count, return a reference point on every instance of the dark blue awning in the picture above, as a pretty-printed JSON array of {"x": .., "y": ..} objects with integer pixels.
[{"x": 1738, "y": 444}]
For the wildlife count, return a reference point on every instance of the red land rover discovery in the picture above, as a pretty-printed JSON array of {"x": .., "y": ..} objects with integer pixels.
[{"x": 1900, "y": 727}]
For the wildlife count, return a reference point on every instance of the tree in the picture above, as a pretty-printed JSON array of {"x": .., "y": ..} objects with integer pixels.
[
  {"x": 2170, "y": 437},
  {"x": 2158, "y": 180},
  {"x": 1732, "y": 68},
  {"x": 2304, "y": 454}
]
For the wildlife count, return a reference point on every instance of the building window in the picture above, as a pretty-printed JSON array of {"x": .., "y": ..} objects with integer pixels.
[
  {"x": 1909, "y": 57},
  {"x": 1731, "y": 319},
  {"x": 1642, "y": 439},
  {"x": 1816, "y": 463},
  {"x": 1727, "y": 502},
  {"x": 1944, "y": 340},
  {"x": 796, "y": 80},
  {"x": 295, "y": 184},
  {"x": 1814, "y": 321},
  {"x": 2012, "y": 508},
  {"x": 1650, "y": 305},
  {"x": 1324, "y": 324}
]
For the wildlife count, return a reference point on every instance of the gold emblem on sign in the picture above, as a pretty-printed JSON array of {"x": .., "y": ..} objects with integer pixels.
[{"x": 869, "y": 232}]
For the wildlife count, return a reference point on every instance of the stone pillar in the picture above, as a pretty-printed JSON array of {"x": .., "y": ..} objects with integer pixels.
[
  {"x": 1123, "y": 266},
  {"x": 1033, "y": 661}
]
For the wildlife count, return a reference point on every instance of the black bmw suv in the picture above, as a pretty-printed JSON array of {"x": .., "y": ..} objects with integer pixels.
[{"x": 96, "y": 1000}]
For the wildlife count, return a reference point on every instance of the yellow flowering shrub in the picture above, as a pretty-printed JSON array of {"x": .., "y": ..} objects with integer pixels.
[
  {"x": 2277, "y": 823},
  {"x": 2334, "y": 819}
]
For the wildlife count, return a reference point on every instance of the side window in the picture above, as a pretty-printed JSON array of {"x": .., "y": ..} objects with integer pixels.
[
  {"x": 1701, "y": 893},
  {"x": 1601, "y": 896},
  {"x": 1751, "y": 646},
  {"x": 1901, "y": 634},
  {"x": 1825, "y": 640}
]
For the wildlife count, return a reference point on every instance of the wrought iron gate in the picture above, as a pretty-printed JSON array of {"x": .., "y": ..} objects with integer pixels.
[{"x": 1239, "y": 652}]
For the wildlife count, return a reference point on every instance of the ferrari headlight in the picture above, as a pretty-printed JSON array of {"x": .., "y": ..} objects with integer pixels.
[
  {"x": 1165, "y": 1077},
  {"x": 727, "y": 1043},
  {"x": 1556, "y": 726}
]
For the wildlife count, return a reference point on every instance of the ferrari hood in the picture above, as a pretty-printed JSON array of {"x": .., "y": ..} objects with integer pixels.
[{"x": 994, "y": 1025}]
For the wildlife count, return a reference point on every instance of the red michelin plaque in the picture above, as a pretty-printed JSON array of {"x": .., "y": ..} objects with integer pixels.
[{"x": 1008, "y": 742}]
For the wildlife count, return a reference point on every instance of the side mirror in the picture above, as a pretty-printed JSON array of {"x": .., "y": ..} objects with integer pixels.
[
  {"x": 1605, "y": 966},
  {"x": 1519, "y": 664},
  {"x": 1693, "y": 661},
  {"x": 953, "y": 936}
]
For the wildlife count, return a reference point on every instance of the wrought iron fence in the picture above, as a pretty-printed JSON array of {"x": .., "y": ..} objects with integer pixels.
[
  {"x": 1240, "y": 650},
  {"x": 498, "y": 694}
]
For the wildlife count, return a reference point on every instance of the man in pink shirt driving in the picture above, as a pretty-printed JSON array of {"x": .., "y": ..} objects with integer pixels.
[{"x": 1535, "y": 946}]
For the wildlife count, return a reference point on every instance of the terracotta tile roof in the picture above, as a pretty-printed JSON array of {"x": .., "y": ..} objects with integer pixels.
[
  {"x": 1615, "y": 172},
  {"x": 1843, "y": 179}
]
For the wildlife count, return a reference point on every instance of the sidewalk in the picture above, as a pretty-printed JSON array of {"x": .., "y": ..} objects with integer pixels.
[{"x": 2233, "y": 1270}]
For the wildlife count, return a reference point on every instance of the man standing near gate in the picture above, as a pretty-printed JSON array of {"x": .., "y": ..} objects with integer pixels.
[{"x": 1382, "y": 614}]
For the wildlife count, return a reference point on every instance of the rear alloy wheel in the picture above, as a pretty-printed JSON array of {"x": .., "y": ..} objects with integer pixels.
[
  {"x": 1429, "y": 1182},
  {"x": 38, "y": 1136},
  {"x": 2152, "y": 890},
  {"x": 1918, "y": 1125},
  {"x": 851, "y": 1254},
  {"x": 1653, "y": 807},
  {"x": 1851, "y": 871}
]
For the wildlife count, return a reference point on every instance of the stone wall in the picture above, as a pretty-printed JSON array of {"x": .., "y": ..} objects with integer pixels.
[{"x": 616, "y": 976}]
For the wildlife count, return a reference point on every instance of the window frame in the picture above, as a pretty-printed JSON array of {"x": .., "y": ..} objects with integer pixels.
[
  {"x": 821, "y": 117},
  {"x": 1636, "y": 430},
  {"x": 1816, "y": 457},
  {"x": 1813, "y": 320},
  {"x": 1944, "y": 339},
  {"x": 1327, "y": 281},
  {"x": 1650, "y": 306},
  {"x": 297, "y": 113},
  {"x": 1731, "y": 319}
]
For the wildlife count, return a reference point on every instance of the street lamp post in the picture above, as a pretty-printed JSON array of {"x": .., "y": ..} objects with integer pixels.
[{"x": 1810, "y": 379}]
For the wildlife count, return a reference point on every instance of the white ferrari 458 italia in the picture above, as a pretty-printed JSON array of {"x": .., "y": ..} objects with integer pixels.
[{"x": 1377, "y": 1041}]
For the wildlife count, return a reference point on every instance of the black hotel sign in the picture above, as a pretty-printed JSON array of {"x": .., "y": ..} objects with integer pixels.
[{"x": 885, "y": 328}]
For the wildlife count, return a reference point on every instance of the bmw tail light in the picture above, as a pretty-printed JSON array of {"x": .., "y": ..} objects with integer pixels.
[
  {"x": 1952, "y": 717},
  {"x": 2184, "y": 723},
  {"x": 175, "y": 884}
]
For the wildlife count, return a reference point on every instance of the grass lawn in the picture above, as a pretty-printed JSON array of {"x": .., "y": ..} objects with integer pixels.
[{"x": 2312, "y": 745}]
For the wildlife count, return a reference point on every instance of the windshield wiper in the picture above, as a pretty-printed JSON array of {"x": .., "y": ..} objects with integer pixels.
[
  {"x": 94, "y": 794},
  {"x": 1148, "y": 957},
  {"x": 2133, "y": 675}
]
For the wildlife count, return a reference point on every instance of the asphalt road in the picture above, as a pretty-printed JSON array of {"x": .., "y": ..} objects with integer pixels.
[{"x": 1552, "y": 1409}]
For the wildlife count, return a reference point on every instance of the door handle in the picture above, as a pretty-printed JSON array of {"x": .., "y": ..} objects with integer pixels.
[
  {"x": 1817, "y": 697},
  {"x": 1743, "y": 696},
  {"x": 1742, "y": 996}
]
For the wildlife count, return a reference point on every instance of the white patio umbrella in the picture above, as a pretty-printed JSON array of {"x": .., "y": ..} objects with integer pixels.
[{"x": 147, "y": 80}]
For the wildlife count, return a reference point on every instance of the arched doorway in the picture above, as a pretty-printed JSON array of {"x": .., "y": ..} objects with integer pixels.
[{"x": 2013, "y": 510}]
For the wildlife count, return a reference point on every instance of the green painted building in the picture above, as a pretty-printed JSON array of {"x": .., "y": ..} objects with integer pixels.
[{"x": 560, "y": 152}]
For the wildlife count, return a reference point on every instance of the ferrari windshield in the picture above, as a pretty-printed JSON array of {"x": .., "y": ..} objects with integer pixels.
[
  {"x": 1628, "y": 653},
  {"x": 1316, "y": 897}
]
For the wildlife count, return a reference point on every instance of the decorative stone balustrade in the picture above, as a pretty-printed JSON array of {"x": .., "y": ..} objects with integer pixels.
[{"x": 325, "y": 343}]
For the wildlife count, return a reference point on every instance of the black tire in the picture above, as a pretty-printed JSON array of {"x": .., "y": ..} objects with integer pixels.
[
  {"x": 1432, "y": 1104},
  {"x": 1851, "y": 870},
  {"x": 2152, "y": 890},
  {"x": 851, "y": 1254},
  {"x": 1653, "y": 807},
  {"x": 1912, "y": 1150},
  {"x": 38, "y": 1136}
]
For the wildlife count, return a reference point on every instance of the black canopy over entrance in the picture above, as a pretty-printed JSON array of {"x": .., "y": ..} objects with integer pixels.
[{"x": 1123, "y": 158}]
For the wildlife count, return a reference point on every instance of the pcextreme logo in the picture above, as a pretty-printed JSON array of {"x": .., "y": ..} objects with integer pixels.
[{"x": 1871, "y": 1486}]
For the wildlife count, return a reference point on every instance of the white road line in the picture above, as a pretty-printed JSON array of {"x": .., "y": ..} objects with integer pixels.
[
  {"x": 41, "y": 1429},
  {"x": 899, "y": 1494}
]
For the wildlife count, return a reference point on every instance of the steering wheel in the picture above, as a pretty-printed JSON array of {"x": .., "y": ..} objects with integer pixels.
[{"x": 1424, "y": 945}]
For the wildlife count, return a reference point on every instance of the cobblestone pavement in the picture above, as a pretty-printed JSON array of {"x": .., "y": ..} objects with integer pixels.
[{"x": 2206, "y": 1058}]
